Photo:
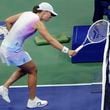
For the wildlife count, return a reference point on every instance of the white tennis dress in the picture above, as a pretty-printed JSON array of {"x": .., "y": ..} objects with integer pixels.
[{"x": 11, "y": 50}]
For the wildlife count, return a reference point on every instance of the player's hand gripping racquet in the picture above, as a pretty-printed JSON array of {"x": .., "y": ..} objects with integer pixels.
[{"x": 97, "y": 33}]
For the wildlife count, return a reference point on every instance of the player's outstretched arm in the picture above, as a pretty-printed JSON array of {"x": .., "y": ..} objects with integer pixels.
[{"x": 55, "y": 43}]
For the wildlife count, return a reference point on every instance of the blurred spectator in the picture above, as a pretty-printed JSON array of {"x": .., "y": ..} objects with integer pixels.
[{"x": 100, "y": 6}]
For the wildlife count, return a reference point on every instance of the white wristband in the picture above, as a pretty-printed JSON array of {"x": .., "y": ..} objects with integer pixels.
[{"x": 65, "y": 49}]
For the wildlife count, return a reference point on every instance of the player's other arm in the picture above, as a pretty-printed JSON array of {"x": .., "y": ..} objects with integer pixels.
[
  {"x": 55, "y": 43},
  {"x": 11, "y": 20}
]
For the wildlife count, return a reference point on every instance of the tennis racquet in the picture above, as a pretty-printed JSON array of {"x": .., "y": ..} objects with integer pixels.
[
  {"x": 3, "y": 32},
  {"x": 97, "y": 33}
]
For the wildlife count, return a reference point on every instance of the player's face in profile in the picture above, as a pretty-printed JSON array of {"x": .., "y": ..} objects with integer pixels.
[{"x": 47, "y": 16}]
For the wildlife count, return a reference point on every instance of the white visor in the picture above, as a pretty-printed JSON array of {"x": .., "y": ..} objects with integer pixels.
[{"x": 47, "y": 7}]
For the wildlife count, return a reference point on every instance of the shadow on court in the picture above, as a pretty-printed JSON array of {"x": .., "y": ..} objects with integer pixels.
[{"x": 78, "y": 97}]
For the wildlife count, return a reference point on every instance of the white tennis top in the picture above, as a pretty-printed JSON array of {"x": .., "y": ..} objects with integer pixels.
[{"x": 22, "y": 29}]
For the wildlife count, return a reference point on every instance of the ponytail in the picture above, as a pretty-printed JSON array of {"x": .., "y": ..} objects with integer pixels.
[{"x": 35, "y": 9}]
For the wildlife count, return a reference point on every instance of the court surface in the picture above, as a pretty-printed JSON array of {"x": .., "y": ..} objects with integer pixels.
[{"x": 60, "y": 97}]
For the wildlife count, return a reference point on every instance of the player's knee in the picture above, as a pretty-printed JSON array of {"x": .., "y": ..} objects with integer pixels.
[{"x": 32, "y": 69}]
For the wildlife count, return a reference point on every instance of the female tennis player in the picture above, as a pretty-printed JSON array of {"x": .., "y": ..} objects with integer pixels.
[{"x": 21, "y": 27}]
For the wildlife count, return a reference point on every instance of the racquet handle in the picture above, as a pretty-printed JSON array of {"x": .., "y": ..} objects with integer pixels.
[{"x": 79, "y": 48}]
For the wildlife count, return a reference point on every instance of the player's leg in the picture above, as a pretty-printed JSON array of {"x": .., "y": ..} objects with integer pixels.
[
  {"x": 14, "y": 77},
  {"x": 33, "y": 101},
  {"x": 31, "y": 69},
  {"x": 4, "y": 88}
]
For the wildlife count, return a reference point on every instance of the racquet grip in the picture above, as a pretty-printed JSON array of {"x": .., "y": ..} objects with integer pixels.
[{"x": 79, "y": 48}]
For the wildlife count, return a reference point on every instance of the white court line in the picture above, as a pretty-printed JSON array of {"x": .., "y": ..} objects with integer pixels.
[{"x": 59, "y": 85}]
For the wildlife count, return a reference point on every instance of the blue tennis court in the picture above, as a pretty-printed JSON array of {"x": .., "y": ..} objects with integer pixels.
[{"x": 60, "y": 97}]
